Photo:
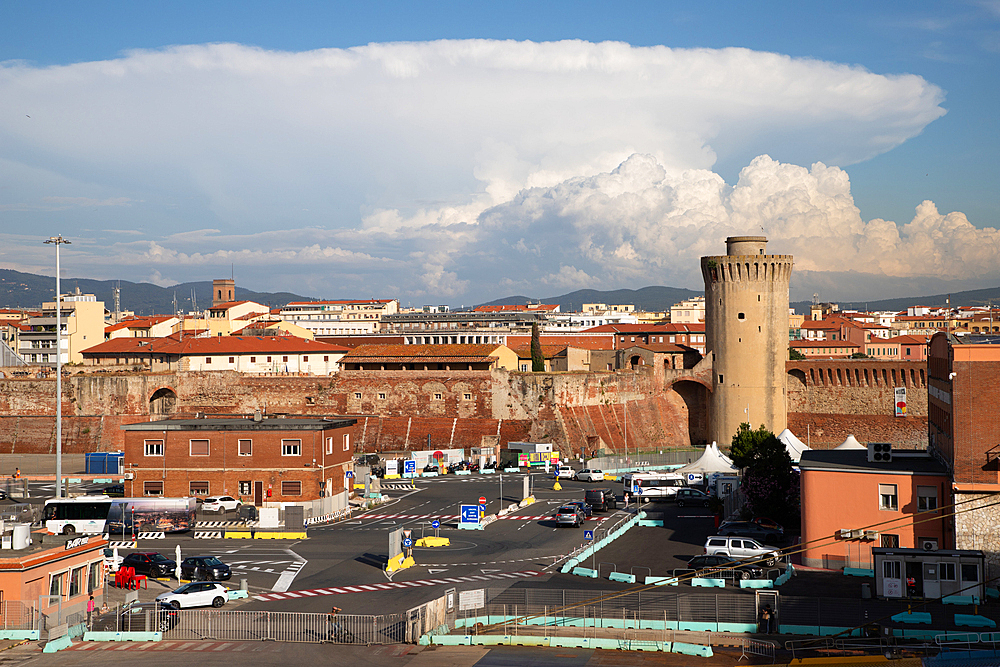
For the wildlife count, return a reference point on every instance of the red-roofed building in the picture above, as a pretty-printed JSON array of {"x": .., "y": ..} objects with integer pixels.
[
  {"x": 429, "y": 358},
  {"x": 825, "y": 349},
  {"x": 224, "y": 318},
  {"x": 520, "y": 308},
  {"x": 156, "y": 326},
  {"x": 339, "y": 317},
  {"x": 627, "y": 335}
]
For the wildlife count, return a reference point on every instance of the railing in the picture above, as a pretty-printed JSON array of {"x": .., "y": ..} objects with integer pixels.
[
  {"x": 16, "y": 615},
  {"x": 762, "y": 648},
  {"x": 287, "y": 627},
  {"x": 642, "y": 460}
]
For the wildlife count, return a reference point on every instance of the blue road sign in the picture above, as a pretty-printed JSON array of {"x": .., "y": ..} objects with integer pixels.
[
  {"x": 638, "y": 490},
  {"x": 470, "y": 513},
  {"x": 409, "y": 466},
  {"x": 349, "y": 474},
  {"x": 588, "y": 534},
  {"x": 407, "y": 542},
  {"x": 435, "y": 524}
]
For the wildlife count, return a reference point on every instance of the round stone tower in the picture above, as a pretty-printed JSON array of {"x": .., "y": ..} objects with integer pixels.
[{"x": 746, "y": 330}]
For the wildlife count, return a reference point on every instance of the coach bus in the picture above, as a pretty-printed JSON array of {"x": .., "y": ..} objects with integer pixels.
[
  {"x": 92, "y": 515},
  {"x": 653, "y": 485}
]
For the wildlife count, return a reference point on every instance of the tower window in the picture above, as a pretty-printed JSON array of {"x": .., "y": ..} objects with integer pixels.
[
  {"x": 741, "y": 317},
  {"x": 720, "y": 378}
]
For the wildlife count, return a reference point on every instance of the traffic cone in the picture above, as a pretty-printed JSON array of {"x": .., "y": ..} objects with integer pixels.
[{"x": 557, "y": 486}]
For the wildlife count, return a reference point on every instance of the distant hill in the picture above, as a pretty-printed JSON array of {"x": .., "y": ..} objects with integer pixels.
[
  {"x": 647, "y": 298},
  {"x": 977, "y": 297},
  {"x": 27, "y": 290}
]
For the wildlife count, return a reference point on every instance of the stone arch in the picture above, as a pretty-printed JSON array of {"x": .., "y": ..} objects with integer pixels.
[
  {"x": 695, "y": 395},
  {"x": 635, "y": 361},
  {"x": 797, "y": 379},
  {"x": 163, "y": 402}
]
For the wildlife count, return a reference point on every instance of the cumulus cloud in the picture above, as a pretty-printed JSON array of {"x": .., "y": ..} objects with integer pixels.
[{"x": 460, "y": 168}]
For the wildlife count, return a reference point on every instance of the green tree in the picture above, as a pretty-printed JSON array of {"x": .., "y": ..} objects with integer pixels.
[
  {"x": 795, "y": 355},
  {"x": 859, "y": 355},
  {"x": 769, "y": 483},
  {"x": 537, "y": 358}
]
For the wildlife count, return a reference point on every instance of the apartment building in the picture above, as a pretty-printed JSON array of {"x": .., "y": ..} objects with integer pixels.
[
  {"x": 339, "y": 318},
  {"x": 82, "y": 327}
]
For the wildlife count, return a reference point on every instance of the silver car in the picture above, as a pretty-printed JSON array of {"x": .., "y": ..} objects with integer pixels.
[{"x": 569, "y": 515}]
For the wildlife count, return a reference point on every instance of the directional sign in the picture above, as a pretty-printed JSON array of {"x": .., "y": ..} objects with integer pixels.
[
  {"x": 349, "y": 474},
  {"x": 470, "y": 514},
  {"x": 407, "y": 542},
  {"x": 482, "y": 500},
  {"x": 588, "y": 534},
  {"x": 409, "y": 466},
  {"x": 638, "y": 490},
  {"x": 435, "y": 524}
]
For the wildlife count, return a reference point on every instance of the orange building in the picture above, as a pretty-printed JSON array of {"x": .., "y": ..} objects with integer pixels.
[{"x": 850, "y": 505}]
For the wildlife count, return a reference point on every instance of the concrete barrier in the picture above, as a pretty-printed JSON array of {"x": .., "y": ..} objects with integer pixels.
[
  {"x": 915, "y": 617},
  {"x": 57, "y": 644},
  {"x": 661, "y": 581},
  {"x": 971, "y": 620},
  {"x": 960, "y": 599},
  {"x": 433, "y": 541},
  {"x": 238, "y": 594},
  {"x": 463, "y": 472},
  {"x": 622, "y": 577},
  {"x": 756, "y": 583},
  {"x": 488, "y": 471},
  {"x": 512, "y": 470},
  {"x": 585, "y": 572},
  {"x": 858, "y": 572},
  {"x": 20, "y": 635},
  {"x": 705, "y": 582},
  {"x": 692, "y": 649}
]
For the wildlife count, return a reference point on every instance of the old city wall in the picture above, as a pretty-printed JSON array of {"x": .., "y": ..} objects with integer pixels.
[{"x": 829, "y": 400}]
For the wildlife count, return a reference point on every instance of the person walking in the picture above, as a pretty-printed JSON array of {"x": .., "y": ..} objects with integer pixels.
[
  {"x": 90, "y": 611},
  {"x": 764, "y": 627}
]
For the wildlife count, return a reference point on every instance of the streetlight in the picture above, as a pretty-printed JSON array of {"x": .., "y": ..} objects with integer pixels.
[{"x": 57, "y": 241}]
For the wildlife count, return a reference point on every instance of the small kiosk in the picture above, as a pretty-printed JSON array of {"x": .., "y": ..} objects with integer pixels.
[{"x": 928, "y": 574}]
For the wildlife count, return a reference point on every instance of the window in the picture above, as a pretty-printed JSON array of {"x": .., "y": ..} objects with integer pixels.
[
  {"x": 208, "y": 360},
  {"x": 889, "y": 541},
  {"x": 437, "y": 397},
  {"x": 720, "y": 378},
  {"x": 269, "y": 360},
  {"x": 152, "y": 488},
  {"x": 381, "y": 396},
  {"x": 891, "y": 569},
  {"x": 253, "y": 360},
  {"x": 305, "y": 357},
  {"x": 357, "y": 395},
  {"x": 291, "y": 447},
  {"x": 467, "y": 397},
  {"x": 153, "y": 447},
  {"x": 199, "y": 447},
  {"x": 329, "y": 445},
  {"x": 245, "y": 447},
  {"x": 970, "y": 572},
  {"x": 741, "y": 316},
  {"x": 198, "y": 488},
  {"x": 284, "y": 358},
  {"x": 347, "y": 441},
  {"x": 55, "y": 584},
  {"x": 232, "y": 360},
  {"x": 76, "y": 581},
  {"x": 96, "y": 576},
  {"x": 926, "y": 498},
  {"x": 289, "y": 488},
  {"x": 946, "y": 571},
  {"x": 246, "y": 488},
  {"x": 887, "y": 497}
]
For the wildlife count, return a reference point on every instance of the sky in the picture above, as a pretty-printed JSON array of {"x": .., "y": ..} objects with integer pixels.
[{"x": 462, "y": 152}]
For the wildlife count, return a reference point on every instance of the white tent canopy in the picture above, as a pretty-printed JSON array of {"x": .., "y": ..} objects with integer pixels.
[
  {"x": 793, "y": 445},
  {"x": 711, "y": 461},
  {"x": 850, "y": 443}
]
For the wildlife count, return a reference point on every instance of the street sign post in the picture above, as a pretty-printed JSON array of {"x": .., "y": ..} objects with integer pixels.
[
  {"x": 470, "y": 514},
  {"x": 409, "y": 467},
  {"x": 349, "y": 474},
  {"x": 482, "y": 500},
  {"x": 588, "y": 535},
  {"x": 436, "y": 525}
]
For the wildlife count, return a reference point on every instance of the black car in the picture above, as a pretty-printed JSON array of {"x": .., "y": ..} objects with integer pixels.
[
  {"x": 115, "y": 490},
  {"x": 752, "y": 530},
  {"x": 138, "y": 617},
  {"x": 205, "y": 568},
  {"x": 150, "y": 563},
  {"x": 600, "y": 499},
  {"x": 711, "y": 565},
  {"x": 691, "y": 497}
]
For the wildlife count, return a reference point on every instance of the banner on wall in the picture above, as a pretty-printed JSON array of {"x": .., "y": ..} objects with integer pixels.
[{"x": 900, "y": 395}]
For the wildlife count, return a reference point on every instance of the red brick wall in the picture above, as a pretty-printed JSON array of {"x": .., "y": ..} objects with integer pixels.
[{"x": 976, "y": 421}]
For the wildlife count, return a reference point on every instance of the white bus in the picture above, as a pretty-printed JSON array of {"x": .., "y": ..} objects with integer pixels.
[
  {"x": 653, "y": 485},
  {"x": 93, "y": 515}
]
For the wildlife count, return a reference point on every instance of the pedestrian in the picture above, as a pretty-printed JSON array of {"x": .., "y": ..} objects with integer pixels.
[
  {"x": 17, "y": 473},
  {"x": 90, "y": 611},
  {"x": 765, "y": 620}
]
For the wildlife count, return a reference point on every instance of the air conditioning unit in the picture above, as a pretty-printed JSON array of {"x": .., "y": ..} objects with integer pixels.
[
  {"x": 130, "y": 475},
  {"x": 845, "y": 533},
  {"x": 871, "y": 535},
  {"x": 929, "y": 545},
  {"x": 879, "y": 452}
]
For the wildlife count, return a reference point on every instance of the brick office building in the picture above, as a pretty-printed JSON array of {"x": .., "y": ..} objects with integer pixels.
[
  {"x": 964, "y": 428},
  {"x": 261, "y": 459}
]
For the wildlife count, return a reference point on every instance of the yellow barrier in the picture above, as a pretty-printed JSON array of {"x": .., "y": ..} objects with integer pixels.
[
  {"x": 527, "y": 501},
  {"x": 259, "y": 535},
  {"x": 557, "y": 486},
  {"x": 398, "y": 562},
  {"x": 433, "y": 541}
]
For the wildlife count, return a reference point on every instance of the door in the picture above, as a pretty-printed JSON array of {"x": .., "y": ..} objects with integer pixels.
[
  {"x": 258, "y": 493},
  {"x": 914, "y": 580},
  {"x": 932, "y": 585}
]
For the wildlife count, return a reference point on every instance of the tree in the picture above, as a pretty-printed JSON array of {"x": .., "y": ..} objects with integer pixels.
[
  {"x": 537, "y": 358},
  {"x": 859, "y": 355},
  {"x": 795, "y": 355},
  {"x": 769, "y": 483}
]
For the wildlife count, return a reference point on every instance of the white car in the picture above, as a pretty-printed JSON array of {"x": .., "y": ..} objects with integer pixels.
[
  {"x": 565, "y": 472},
  {"x": 588, "y": 475},
  {"x": 195, "y": 594},
  {"x": 221, "y": 504}
]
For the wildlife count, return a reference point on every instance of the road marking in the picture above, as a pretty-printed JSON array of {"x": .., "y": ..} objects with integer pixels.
[
  {"x": 286, "y": 578},
  {"x": 420, "y": 582},
  {"x": 430, "y": 571}
]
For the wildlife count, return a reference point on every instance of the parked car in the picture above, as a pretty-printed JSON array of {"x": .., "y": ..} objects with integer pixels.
[
  {"x": 587, "y": 510},
  {"x": 150, "y": 563},
  {"x": 707, "y": 565},
  {"x": 115, "y": 491},
  {"x": 600, "y": 499},
  {"x": 368, "y": 460},
  {"x": 205, "y": 568},
  {"x": 195, "y": 594},
  {"x": 692, "y": 497},
  {"x": 111, "y": 561},
  {"x": 565, "y": 472},
  {"x": 589, "y": 475},
  {"x": 221, "y": 504},
  {"x": 754, "y": 530},
  {"x": 740, "y": 547},
  {"x": 138, "y": 617},
  {"x": 570, "y": 515}
]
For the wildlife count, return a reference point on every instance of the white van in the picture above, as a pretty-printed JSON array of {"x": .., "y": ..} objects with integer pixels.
[{"x": 740, "y": 547}]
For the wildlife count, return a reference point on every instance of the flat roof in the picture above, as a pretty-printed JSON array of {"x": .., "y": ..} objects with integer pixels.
[
  {"x": 856, "y": 460},
  {"x": 269, "y": 423}
]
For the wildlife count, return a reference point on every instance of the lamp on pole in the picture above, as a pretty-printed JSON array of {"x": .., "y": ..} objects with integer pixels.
[{"x": 58, "y": 241}]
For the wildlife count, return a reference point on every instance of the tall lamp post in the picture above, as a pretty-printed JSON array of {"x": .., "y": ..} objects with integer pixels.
[{"x": 57, "y": 241}]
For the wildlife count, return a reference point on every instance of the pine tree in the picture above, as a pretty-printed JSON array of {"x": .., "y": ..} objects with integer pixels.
[{"x": 537, "y": 358}]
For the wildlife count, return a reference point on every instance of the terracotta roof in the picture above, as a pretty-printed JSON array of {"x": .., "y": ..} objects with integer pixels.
[
  {"x": 527, "y": 308},
  {"x": 548, "y": 351},
  {"x": 822, "y": 343},
  {"x": 227, "y": 305},
  {"x": 139, "y": 322},
  {"x": 422, "y": 352},
  {"x": 908, "y": 340},
  {"x": 342, "y": 302},
  {"x": 118, "y": 346},
  {"x": 660, "y": 347},
  {"x": 586, "y": 342},
  {"x": 191, "y": 346}
]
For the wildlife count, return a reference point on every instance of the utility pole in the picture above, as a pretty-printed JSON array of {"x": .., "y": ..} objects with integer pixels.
[{"x": 57, "y": 241}]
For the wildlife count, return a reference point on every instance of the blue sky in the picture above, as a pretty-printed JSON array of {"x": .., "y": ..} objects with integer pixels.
[{"x": 399, "y": 204}]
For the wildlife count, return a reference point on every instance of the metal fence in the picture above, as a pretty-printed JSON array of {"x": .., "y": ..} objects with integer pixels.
[
  {"x": 641, "y": 460},
  {"x": 16, "y": 615}
]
